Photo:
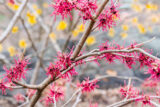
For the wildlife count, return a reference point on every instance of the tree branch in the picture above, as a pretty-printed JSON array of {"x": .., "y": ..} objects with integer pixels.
[{"x": 6, "y": 33}]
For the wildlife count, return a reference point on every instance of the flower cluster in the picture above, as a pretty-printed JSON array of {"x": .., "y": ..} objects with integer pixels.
[
  {"x": 55, "y": 93},
  {"x": 86, "y": 9},
  {"x": 3, "y": 87},
  {"x": 87, "y": 85},
  {"x": 64, "y": 8},
  {"x": 11, "y": 1},
  {"x": 19, "y": 97},
  {"x": 62, "y": 62},
  {"x": 18, "y": 70},
  {"x": 145, "y": 60},
  {"x": 130, "y": 91},
  {"x": 155, "y": 71},
  {"x": 130, "y": 58},
  {"x": 107, "y": 17}
]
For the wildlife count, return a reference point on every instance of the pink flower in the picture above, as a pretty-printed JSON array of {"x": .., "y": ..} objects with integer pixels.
[
  {"x": 18, "y": 70},
  {"x": 63, "y": 8},
  {"x": 131, "y": 92},
  {"x": 10, "y": 74},
  {"x": 87, "y": 85},
  {"x": 11, "y": 1},
  {"x": 151, "y": 83},
  {"x": 145, "y": 100},
  {"x": 63, "y": 62},
  {"x": 106, "y": 20},
  {"x": 155, "y": 72},
  {"x": 145, "y": 60},
  {"x": 19, "y": 97},
  {"x": 86, "y": 8},
  {"x": 30, "y": 92},
  {"x": 113, "y": 8},
  {"x": 53, "y": 70},
  {"x": 129, "y": 61},
  {"x": 93, "y": 105},
  {"x": 3, "y": 87},
  {"x": 54, "y": 92}
]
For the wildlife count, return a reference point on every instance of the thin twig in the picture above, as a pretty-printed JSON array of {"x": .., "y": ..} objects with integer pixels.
[
  {"x": 6, "y": 33},
  {"x": 88, "y": 31},
  {"x": 26, "y": 85},
  {"x": 72, "y": 97},
  {"x": 77, "y": 99}
]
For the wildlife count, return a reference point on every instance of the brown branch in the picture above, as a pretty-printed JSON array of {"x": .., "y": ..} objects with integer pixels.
[
  {"x": 116, "y": 51},
  {"x": 49, "y": 80},
  {"x": 88, "y": 31},
  {"x": 15, "y": 18},
  {"x": 26, "y": 85}
]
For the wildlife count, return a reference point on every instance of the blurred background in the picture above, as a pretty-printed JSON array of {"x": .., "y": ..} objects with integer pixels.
[{"x": 139, "y": 21}]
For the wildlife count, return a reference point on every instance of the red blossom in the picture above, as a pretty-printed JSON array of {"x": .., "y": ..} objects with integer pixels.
[
  {"x": 63, "y": 8},
  {"x": 151, "y": 83},
  {"x": 130, "y": 91},
  {"x": 11, "y": 1},
  {"x": 145, "y": 100},
  {"x": 145, "y": 60},
  {"x": 93, "y": 105},
  {"x": 3, "y": 87},
  {"x": 30, "y": 92},
  {"x": 54, "y": 93},
  {"x": 106, "y": 20},
  {"x": 53, "y": 70},
  {"x": 63, "y": 62},
  {"x": 87, "y": 85},
  {"x": 154, "y": 71},
  {"x": 86, "y": 8},
  {"x": 18, "y": 69},
  {"x": 129, "y": 61},
  {"x": 19, "y": 97}
]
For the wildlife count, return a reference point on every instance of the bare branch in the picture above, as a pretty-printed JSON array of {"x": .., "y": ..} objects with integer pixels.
[
  {"x": 6, "y": 33},
  {"x": 88, "y": 31}
]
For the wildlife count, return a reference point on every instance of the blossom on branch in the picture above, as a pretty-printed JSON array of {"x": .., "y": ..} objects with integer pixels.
[
  {"x": 18, "y": 69},
  {"x": 87, "y": 85},
  {"x": 3, "y": 87},
  {"x": 63, "y": 8}
]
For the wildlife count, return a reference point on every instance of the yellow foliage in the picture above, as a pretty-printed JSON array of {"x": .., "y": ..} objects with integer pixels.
[
  {"x": 75, "y": 33},
  {"x": 14, "y": 7},
  {"x": 141, "y": 29},
  {"x": 81, "y": 28},
  {"x": 62, "y": 25},
  {"x": 35, "y": 6},
  {"x": 135, "y": 20},
  {"x": 137, "y": 7},
  {"x": 90, "y": 40},
  {"x": 155, "y": 19},
  {"x": 150, "y": 29},
  {"x": 1, "y": 47},
  {"x": 125, "y": 27},
  {"x": 15, "y": 29},
  {"x": 52, "y": 36},
  {"x": 111, "y": 32},
  {"x": 151, "y": 6},
  {"x": 31, "y": 18},
  {"x": 11, "y": 51},
  {"x": 123, "y": 35},
  {"x": 39, "y": 11},
  {"x": 22, "y": 44},
  {"x": 45, "y": 5}
]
